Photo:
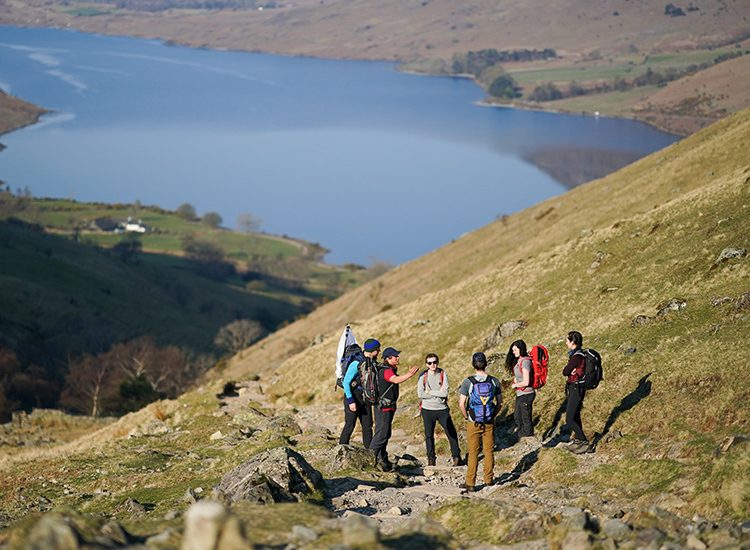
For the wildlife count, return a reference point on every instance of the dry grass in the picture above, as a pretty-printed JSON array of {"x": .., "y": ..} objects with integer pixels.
[{"x": 661, "y": 223}]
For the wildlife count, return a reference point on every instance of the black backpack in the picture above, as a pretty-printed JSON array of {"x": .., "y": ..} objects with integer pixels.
[
  {"x": 592, "y": 369},
  {"x": 368, "y": 379}
]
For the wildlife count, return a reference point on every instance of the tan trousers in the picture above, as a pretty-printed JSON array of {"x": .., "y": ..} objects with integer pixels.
[{"x": 476, "y": 433}]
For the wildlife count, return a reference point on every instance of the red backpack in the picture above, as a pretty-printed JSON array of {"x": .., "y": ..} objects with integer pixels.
[{"x": 539, "y": 364}]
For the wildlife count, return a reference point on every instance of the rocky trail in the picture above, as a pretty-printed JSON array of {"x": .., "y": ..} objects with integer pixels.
[{"x": 529, "y": 511}]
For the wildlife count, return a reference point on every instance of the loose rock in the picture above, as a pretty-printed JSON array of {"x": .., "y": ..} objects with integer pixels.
[
  {"x": 730, "y": 253},
  {"x": 359, "y": 530},
  {"x": 640, "y": 320},
  {"x": 694, "y": 543},
  {"x": 675, "y": 304},
  {"x": 304, "y": 534}
]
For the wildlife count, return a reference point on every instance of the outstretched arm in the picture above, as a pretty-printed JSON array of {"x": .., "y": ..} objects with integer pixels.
[{"x": 397, "y": 379}]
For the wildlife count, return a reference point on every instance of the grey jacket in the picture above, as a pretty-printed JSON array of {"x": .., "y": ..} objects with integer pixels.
[{"x": 433, "y": 394}]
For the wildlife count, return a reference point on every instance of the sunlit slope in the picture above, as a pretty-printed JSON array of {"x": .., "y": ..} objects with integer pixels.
[
  {"x": 535, "y": 264},
  {"x": 631, "y": 261}
]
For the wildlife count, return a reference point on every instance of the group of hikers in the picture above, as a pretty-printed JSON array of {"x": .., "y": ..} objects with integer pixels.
[{"x": 371, "y": 391}]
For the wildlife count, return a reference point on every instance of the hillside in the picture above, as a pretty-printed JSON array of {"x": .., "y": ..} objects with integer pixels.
[
  {"x": 594, "y": 42},
  {"x": 650, "y": 263},
  {"x": 69, "y": 289}
]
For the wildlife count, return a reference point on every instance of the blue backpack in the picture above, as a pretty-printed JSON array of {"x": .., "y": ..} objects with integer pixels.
[{"x": 482, "y": 402}]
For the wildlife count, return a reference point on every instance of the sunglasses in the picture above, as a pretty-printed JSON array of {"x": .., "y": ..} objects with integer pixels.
[{"x": 432, "y": 362}]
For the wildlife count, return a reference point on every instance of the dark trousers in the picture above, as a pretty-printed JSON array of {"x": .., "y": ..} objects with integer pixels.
[
  {"x": 576, "y": 393},
  {"x": 383, "y": 424},
  {"x": 364, "y": 414},
  {"x": 522, "y": 414},
  {"x": 444, "y": 417}
]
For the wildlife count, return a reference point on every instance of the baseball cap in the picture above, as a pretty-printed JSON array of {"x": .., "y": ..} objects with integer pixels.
[{"x": 390, "y": 352}]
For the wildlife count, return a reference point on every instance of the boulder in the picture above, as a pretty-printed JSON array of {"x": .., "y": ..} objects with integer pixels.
[
  {"x": 505, "y": 330},
  {"x": 529, "y": 527},
  {"x": 577, "y": 540},
  {"x": 616, "y": 529},
  {"x": 675, "y": 304},
  {"x": 640, "y": 320},
  {"x": 209, "y": 525},
  {"x": 359, "y": 530},
  {"x": 278, "y": 475},
  {"x": 303, "y": 534},
  {"x": 730, "y": 253},
  {"x": 284, "y": 425},
  {"x": 350, "y": 457},
  {"x": 52, "y": 531}
]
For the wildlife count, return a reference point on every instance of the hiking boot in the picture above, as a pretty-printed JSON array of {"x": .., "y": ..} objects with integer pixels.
[
  {"x": 468, "y": 488},
  {"x": 384, "y": 466},
  {"x": 456, "y": 461},
  {"x": 431, "y": 461}
]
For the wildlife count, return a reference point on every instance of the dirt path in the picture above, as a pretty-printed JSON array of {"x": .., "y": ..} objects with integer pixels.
[{"x": 420, "y": 487}]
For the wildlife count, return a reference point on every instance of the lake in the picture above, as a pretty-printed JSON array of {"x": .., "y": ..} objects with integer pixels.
[{"x": 371, "y": 163}]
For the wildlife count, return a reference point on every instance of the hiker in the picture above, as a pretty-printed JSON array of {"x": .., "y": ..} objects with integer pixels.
[
  {"x": 518, "y": 364},
  {"x": 385, "y": 408},
  {"x": 432, "y": 390},
  {"x": 479, "y": 400},
  {"x": 576, "y": 391},
  {"x": 354, "y": 403}
]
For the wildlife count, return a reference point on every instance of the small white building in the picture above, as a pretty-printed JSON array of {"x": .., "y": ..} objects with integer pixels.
[{"x": 135, "y": 227}]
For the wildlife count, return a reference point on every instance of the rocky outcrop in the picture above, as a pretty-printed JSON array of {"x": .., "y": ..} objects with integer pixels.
[{"x": 278, "y": 475}]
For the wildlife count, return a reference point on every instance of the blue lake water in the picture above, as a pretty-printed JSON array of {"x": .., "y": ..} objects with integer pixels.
[{"x": 369, "y": 162}]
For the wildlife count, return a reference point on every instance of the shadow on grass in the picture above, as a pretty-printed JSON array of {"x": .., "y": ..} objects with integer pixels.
[
  {"x": 523, "y": 466},
  {"x": 642, "y": 390}
]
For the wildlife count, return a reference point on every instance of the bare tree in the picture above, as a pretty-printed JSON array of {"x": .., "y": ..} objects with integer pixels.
[
  {"x": 249, "y": 223},
  {"x": 90, "y": 381},
  {"x": 238, "y": 335}
]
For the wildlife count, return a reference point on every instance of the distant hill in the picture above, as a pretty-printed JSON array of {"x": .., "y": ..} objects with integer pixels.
[{"x": 601, "y": 49}]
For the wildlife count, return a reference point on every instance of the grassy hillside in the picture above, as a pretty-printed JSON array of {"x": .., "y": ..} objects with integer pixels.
[
  {"x": 15, "y": 113},
  {"x": 68, "y": 290},
  {"x": 595, "y": 42},
  {"x": 594, "y": 260},
  {"x": 605, "y": 258}
]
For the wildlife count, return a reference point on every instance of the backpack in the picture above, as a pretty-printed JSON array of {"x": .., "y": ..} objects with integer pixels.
[
  {"x": 482, "y": 403},
  {"x": 352, "y": 353},
  {"x": 539, "y": 366},
  {"x": 368, "y": 379},
  {"x": 592, "y": 369}
]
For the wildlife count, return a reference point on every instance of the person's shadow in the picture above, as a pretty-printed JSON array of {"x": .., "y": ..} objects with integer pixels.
[
  {"x": 642, "y": 390},
  {"x": 628, "y": 402}
]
